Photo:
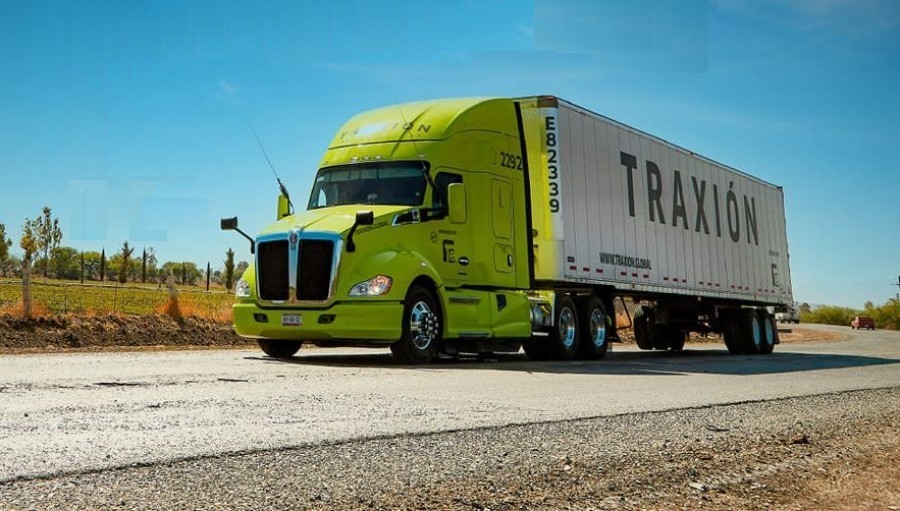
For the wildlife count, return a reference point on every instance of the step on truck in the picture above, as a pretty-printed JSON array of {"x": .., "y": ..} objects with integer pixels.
[{"x": 488, "y": 224}]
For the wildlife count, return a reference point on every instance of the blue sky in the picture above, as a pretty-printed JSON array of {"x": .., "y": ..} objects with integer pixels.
[{"x": 134, "y": 120}]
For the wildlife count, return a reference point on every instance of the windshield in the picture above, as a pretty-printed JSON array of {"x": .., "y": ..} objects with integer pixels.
[{"x": 393, "y": 183}]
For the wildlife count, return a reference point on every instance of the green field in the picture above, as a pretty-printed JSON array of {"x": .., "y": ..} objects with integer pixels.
[{"x": 64, "y": 297}]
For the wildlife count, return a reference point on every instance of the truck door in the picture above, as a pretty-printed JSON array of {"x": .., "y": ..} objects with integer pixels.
[
  {"x": 451, "y": 243},
  {"x": 502, "y": 228}
]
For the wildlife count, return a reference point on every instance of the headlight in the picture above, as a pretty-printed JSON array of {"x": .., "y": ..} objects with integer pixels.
[
  {"x": 242, "y": 289},
  {"x": 375, "y": 286}
]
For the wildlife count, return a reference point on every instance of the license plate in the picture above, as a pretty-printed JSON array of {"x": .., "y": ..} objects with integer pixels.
[{"x": 291, "y": 320}]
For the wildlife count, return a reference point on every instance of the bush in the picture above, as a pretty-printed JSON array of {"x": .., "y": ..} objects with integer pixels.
[{"x": 886, "y": 316}]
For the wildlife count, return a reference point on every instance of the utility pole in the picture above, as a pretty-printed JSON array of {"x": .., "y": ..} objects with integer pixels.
[{"x": 898, "y": 285}]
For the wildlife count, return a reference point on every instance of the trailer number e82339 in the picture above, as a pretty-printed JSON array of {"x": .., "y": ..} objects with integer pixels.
[{"x": 552, "y": 163}]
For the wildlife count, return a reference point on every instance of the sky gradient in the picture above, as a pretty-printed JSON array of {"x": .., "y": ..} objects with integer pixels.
[{"x": 134, "y": 120}]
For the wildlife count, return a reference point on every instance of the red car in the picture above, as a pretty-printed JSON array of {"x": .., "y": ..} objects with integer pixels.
[{"x": 860, "y": 322}]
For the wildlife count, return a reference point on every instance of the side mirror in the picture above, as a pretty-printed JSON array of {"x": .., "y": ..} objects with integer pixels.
[
  {"x": 362, "y": 218},
  {"x": 365, "y": 218},
  {"x": 456, "y": 200},
  {"x": 284, "y": 207},
  {"x": 231, "y": 224}
]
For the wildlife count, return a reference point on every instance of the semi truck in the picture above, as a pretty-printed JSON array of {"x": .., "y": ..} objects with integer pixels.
[{"x": 480, "y": 225}]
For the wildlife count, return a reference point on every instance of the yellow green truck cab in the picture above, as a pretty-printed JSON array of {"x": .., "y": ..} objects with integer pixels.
[
  {"x": 416, "y": 272},
  {"x": 456, "y": 226}
]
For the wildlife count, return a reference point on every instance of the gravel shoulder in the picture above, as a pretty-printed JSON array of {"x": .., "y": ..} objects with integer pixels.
[{"x": 831, "y": 451}]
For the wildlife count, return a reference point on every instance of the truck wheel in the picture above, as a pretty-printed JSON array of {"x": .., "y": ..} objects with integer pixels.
[
  {"x": 536, "y": 348},
  {"x": 730, "y": 334},
  {"x": 421, "y": 328},
  {"x": 593, "y": 322},
  {"x": 731, "y": 341},
  {"x": 750, "y": 332},
  {"x": 641, "y": 324},
  {"x": 770, "y": 332},
  {"x": 659, "y": 336},
  {"x": 279, "y": 349},
  {"x": 675, "y": 339},
  {"x": 564, "y": 335}
]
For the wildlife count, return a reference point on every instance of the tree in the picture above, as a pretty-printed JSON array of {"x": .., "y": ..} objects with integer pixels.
[
  {"x": 92, "y": 265},
  {"x": 102, "y": 265},
  {"x": 229, "y": 268},
  {"x": 148, "y": 265},
  {"x": 5, "y": 243},
  {"x": 185, "y": 273},
  {"x": 29, "y": 244},
  {"x": 47, "y": 236},
  {"x": 240, "y": 269},
  {"x": 125, "y": 262},
  {"x": 14, "y": 266},
  {"x": 65, "y": 263}
]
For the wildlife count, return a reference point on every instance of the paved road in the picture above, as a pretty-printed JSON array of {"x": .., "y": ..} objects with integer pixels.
[{"x": 81, "y": 412}]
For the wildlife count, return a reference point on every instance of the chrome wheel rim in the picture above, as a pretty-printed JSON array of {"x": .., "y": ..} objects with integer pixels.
[
  {"x": 598, "y": 327},
  {"x": 423, "y": 325},
  {"x": 770, "y": 333},
  {"x": 756, "y": 333},
  {"x": 567, "y": 327}
]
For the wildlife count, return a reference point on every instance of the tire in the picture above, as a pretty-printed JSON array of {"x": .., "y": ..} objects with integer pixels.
[
  {"x": 565, "y": 334},
  {"x": 667, "y": 337},
  {"x": 279, "y": 349},
  {"x": 749, "y": 332},
  {"x": 730, "y": 335},
  {"x": 770, "y": 332},
  {"x": 675, "y": 338},
  {"x": 593, "y": 323},
  {"x": 536, "y": 348},
  {"x": 641, "y": 324},
  {"x": 422, "y": 328}
]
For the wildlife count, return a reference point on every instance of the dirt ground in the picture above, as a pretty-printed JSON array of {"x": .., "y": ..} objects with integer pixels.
[
  {"x": 73, "y": 333},
  {"x": 118, "y": 332}
]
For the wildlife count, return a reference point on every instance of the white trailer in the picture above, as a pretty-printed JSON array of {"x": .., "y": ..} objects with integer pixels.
[{"x": 611, "y": 206}]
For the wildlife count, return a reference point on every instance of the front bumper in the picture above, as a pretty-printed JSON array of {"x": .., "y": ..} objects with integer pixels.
[{"x": 362, "y": 321}]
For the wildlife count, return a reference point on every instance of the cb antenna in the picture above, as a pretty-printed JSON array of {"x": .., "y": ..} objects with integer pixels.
[{"x": 278, "y": 179}]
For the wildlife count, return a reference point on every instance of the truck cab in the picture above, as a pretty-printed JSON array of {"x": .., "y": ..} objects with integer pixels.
[{"x": 408, "y": 238}]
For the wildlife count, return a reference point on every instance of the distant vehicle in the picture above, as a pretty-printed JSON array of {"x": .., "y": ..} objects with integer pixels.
[
  {"x": 789, "y": 315},
  {"x": 860, "y": 322}
]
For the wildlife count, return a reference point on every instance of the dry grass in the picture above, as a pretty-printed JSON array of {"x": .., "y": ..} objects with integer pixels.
[
  {"x": 170, "y": 308},
  {"x": 60, "y": 299},
  {"x": 17, "y": 309},
  {"x": 870, "y": 482},
  {"x": 182, "y": 307}
]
